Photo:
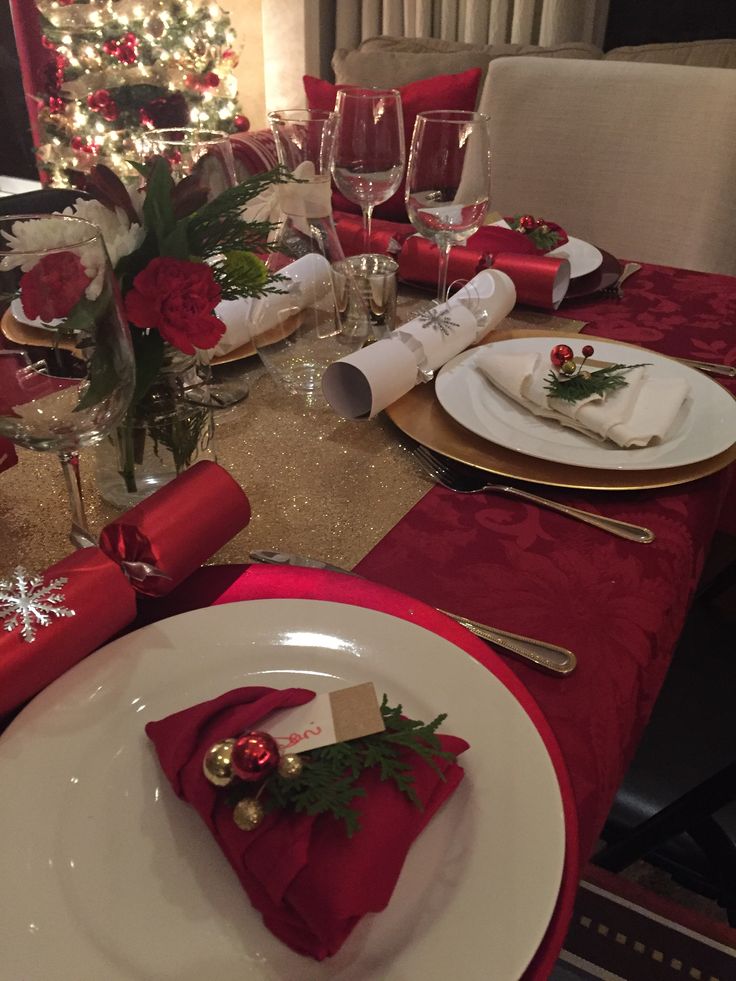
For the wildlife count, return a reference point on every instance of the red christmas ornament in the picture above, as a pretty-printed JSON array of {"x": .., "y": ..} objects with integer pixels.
[
  {"x": 241, "y": 123},
  {"x": 588, "y": 351},
  {"x": 76, "y": 142},
  {"x": 123, "y": 48},
  {"x": 527, "y": 222},
  {"x": 254, "y": 756},
  {"x": 211, "y": 80},
  {"x": 559, "y": 354},
  {"x": 56, "y": 104}
]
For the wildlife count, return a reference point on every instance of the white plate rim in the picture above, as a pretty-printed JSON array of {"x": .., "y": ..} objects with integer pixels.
[
  {"x": 547, "y": 440},
  {"x": 52, "y": 704},
  {"x": 584, "y": 257}
]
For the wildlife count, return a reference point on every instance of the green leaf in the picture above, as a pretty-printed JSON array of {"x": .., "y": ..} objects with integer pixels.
[
  {"x": 158, "y": 210},
  {"x": 328, "y": 782},
  {"x": 583, "y": 385}
]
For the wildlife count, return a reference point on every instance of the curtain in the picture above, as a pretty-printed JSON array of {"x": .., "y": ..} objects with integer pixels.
[
  {"x": 300, "y": 36},
  {"x": 543, "y": 22}
]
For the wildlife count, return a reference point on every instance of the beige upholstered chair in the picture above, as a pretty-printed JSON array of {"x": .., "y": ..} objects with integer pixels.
[{"x": 637, "y": 158}]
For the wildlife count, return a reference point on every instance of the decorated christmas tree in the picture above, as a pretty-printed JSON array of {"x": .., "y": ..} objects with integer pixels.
[{"x": 120, "y": 67}]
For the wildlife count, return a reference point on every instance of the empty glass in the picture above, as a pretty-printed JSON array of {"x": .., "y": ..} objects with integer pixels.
[
  {"x": 448, "y": 180},
  {"x": 304, "y": 142},
  {"x": 368, "y": 160},
  {"x": 296, "y": 331},
  {"x": 67, "y": 371}
]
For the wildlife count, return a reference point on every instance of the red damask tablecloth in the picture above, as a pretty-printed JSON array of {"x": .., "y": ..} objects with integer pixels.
[{"x": 619, "y": 606}]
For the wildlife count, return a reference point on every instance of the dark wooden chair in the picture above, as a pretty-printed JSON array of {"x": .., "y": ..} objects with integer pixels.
[{"x": 677, "y": 805}]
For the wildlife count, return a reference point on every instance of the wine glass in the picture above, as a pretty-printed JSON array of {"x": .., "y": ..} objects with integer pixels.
[
  {"x": 368, "y": 159},
  {"x": 448, "y": 180},
  {"x": 67, "y": 370},
  {"x": 206, "y": 158}
]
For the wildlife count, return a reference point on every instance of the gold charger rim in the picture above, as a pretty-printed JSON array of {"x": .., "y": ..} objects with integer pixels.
[{"x": 419, "y": 415}]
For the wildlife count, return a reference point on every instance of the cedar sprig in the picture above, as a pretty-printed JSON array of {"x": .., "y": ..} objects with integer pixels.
[
  {"x": 543, "y": 240},
  {"x": 584, "y": 384},
  {"x": 328, "y": 782}
]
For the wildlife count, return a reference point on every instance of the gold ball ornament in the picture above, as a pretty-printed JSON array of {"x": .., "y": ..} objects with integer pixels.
[
  {"x": 248, "y": 814},
  {"x": 290, "y": 766},
  {"x": 217, "y": 765},
  {"x": 568, "y": 368}
]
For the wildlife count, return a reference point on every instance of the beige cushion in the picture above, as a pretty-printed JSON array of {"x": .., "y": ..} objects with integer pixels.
[
  {"x": 639, "y": 159},
  {"x": 417, "y": 45},
  {"x": 706, "y": 54},
  {"x": 388, "y": 62},
  {"x": 389, "y": 69}
]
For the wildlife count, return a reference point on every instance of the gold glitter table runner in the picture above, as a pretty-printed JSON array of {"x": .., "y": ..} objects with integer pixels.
[{"x": 318, "y": 485}]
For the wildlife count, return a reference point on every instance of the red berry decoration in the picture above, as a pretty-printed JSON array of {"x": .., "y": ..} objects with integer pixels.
[
  {"x": 559, "y": 354},
  {"x": 588, "y": 351},
  {"x": 254, "y": 756},
  {"x": 241, "y": 123}
]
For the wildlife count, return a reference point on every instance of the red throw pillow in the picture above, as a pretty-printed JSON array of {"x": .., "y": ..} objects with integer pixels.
[{"x": 441, "y": 92}]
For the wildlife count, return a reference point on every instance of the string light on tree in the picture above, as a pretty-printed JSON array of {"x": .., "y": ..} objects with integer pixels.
[{"x": 118, "y": 67}]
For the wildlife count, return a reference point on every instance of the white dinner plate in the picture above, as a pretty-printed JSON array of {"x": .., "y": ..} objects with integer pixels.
[
  {"x": 107, "y": 875},
  {"x": 583, "y": 256},
  {"x": 706, "y": 427}
]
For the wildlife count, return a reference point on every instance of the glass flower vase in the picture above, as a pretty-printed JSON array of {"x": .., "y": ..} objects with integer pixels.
[{"x": 162, "y": 435}]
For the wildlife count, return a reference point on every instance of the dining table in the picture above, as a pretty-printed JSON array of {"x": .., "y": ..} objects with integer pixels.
[{"x": 351, "y": 493}]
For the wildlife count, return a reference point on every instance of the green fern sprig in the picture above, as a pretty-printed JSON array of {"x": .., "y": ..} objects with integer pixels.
[
  {"x": 328, "y": 782},
  {"x": 584, "y": 384}
]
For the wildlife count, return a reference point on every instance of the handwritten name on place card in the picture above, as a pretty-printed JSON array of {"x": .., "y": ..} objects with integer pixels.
[{"x": 333, "y": 717}]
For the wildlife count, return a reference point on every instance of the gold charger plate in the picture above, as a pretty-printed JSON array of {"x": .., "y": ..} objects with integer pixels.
[
  {"x": 19, "y": 333},
  {"x": 419, "y": 415}
]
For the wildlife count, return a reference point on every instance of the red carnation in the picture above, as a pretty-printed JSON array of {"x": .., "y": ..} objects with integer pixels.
[
  {"x": 177, "y": 298},
  {"x": 53, "y": 287}
]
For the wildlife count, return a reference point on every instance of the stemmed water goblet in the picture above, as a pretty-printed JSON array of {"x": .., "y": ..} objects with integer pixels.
[
  {"x": 448, "y": 180},
  {"x": 205, "y": 158},
  {"x": 369, "y": 155},
  {"x": 67, "y": 370}
]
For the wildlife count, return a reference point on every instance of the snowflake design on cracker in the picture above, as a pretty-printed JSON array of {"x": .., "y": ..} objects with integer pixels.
[
  {"x": 438, "y": 319},
  {"x": 26, "y": 602}
]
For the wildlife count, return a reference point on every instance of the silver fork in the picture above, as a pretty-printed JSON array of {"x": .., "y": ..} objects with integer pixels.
[
  {"x": 451, "y": 476},
  {"x": 615, "y": 289}
]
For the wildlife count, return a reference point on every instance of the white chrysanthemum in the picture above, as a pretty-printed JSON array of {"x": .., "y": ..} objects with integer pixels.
[
  {"x": 120, "y": 237},
  {"x": 31, "y": 238}
]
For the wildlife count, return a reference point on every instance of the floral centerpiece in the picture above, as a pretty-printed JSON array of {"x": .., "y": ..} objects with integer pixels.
[{"x": 175, "y": 255}]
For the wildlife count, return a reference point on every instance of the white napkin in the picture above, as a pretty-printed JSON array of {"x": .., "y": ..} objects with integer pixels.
[
  {"x": 247, "y": 316},
  {"x": 362, "y": 384},
  {"x": 642, "y": 413}
]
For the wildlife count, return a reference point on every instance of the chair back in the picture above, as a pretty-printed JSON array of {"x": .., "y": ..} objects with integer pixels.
[{"x": 639, "y": 159}]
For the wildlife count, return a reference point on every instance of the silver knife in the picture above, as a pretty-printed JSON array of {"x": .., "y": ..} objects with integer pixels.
[{"x": 548, "y": 656}]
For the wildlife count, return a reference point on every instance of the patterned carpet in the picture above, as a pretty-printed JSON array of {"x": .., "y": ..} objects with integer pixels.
[{"x": 622, "y": 931}]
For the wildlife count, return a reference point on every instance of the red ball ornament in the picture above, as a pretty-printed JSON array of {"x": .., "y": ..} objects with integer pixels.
[
  {"x": 254, "y": 756},
  {"x": 588, "y": 351},
  {"x": 241, "y": 123},
  {"x": 211, "y": 80},
  {"x": 527, "y": 222},
  {"x": 559, "y": 354},
  {"x": 76, "y": 142}
]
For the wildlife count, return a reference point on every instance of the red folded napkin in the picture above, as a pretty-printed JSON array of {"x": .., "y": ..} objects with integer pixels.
[
  {"x": 8, "y": 456},
  {"x": 311, "y": 883},
  {"x": 178, "y": 528}
]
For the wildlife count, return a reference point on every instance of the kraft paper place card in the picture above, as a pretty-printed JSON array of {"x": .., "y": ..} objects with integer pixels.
[{"x": 333, "y": 717}]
